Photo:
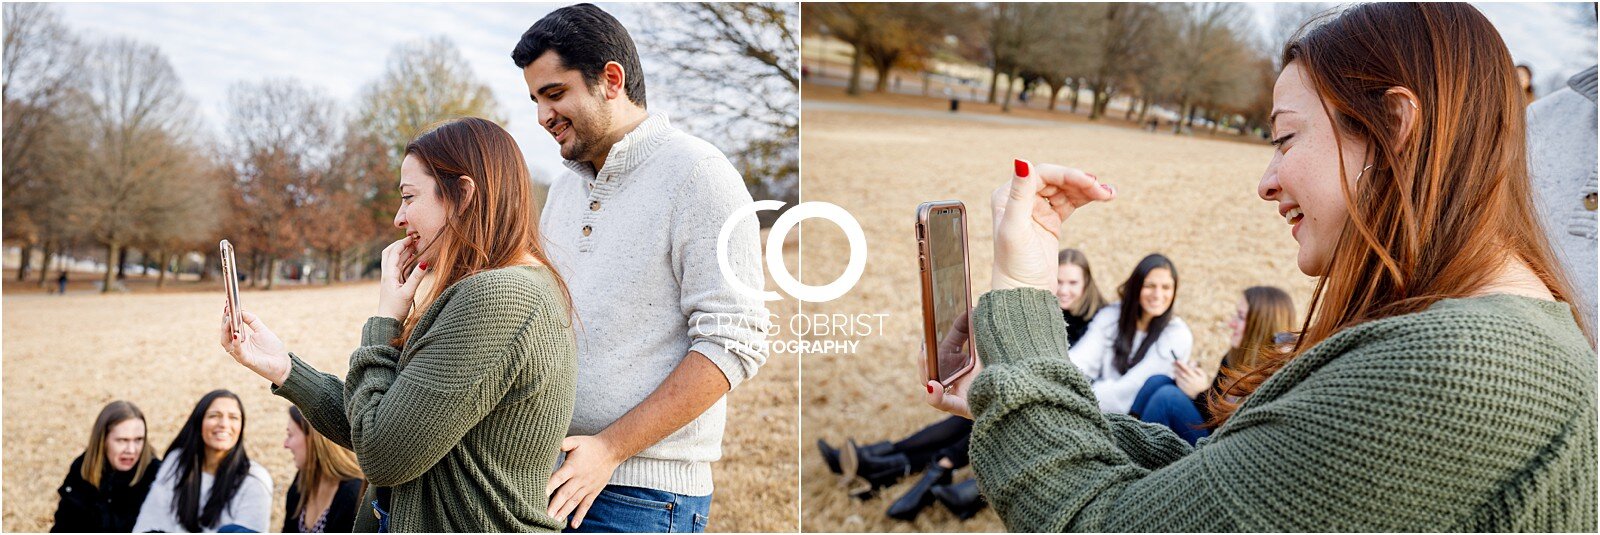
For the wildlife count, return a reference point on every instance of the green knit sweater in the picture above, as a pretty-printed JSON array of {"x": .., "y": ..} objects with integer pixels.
[
  {"x": 465, "y": 422},
  {"x": 1473, "y": 415}
]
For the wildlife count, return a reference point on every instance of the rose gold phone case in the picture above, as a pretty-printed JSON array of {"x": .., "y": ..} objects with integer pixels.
[
  {"x": 930, "y": 327},
  {"x": 230, "y": 284}
]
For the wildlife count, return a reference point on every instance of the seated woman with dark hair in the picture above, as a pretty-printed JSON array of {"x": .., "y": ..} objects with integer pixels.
[
  {"x": 208, "y": 483},
  {"x": 1135, "y": 339},
  {"x": 109, "y": 480},
  {"x": 1264, "y": 313}
]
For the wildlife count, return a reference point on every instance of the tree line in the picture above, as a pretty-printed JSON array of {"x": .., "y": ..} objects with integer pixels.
[{"x": 1202, "y": 60}]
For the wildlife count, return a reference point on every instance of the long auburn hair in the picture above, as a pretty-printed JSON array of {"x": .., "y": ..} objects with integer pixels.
[
  {"x": 325, "y": 461},
  {"x": 1442, "y": 209},
  {"x": 1124, "y": 355},
  {"x": 1091, "y": 301},
  {"x": 194, "y": 511},
  {"x": 95, "y": 466},
  {"x": 493, "y": 229}
]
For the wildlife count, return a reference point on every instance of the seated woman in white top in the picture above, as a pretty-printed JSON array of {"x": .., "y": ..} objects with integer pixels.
[
  {"x": 1127, "y": 345},
  {"x": 207, "y": 482}
]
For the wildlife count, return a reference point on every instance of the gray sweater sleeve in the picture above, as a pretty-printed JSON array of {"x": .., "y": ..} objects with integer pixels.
[
  {"x": 252, "y": 504},
  {"x": 726, "y": 326}
]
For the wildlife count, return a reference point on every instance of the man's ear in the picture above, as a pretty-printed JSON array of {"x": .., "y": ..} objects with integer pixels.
[
  {"x": 613, "y": 79},
  {"x": 1402, "y": 104}
]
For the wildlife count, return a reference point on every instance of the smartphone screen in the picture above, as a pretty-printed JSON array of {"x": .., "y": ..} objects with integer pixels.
[{"x": 951, "y": 293}]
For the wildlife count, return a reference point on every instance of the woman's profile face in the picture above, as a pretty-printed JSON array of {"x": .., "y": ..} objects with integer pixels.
[
  {"x": 1236, "y": 323},
  {"x": 422, "y": 210},
  {"x": 221, "y": 425},
  {"x": 1303, "y": 177},
  {"x": 1155, "y": 296},
  {"x": 1071, "y": 286},
  {"x": 124, "y": 444},
  {"x": 295, "y": 441}
]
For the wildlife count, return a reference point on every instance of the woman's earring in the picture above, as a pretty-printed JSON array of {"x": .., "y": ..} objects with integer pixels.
[
  {"x": 1413, "y": 104},
  {"x": 1363, "y": 172}
]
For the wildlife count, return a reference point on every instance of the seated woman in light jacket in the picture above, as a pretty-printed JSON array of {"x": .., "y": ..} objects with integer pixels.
[{"x": 1127, "y": 345}]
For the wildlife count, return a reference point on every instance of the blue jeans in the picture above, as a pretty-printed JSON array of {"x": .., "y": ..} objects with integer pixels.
[
  {"x": 620, "y": 509},
  {"x": 1160, "y": 401}
]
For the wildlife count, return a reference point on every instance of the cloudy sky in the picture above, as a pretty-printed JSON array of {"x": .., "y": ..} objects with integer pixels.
[
  {"x": 341, "y": 47},
  {"x": 337, "y": 47}
]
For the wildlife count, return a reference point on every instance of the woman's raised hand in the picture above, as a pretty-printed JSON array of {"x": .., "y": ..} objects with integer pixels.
[
  {"x": 395, "y": 292},
  {"x": 256, "y": 347},
  {"x": 1028, "y": 212}
]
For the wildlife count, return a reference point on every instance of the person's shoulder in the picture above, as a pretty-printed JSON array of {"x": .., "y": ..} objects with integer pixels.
[
  {"x": 1179, "y": 328},
  {"x": 1484, "y": 338},
  {"x": 514, "y": 291},
  {"x": 259, "y": 474}
]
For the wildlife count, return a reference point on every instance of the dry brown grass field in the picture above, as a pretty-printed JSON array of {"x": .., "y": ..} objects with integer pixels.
[
  {"x": 66, "y": 356},
  {"x": 1191, "y": 199}
]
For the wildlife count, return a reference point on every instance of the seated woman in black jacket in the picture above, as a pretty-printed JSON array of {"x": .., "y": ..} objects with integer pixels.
[
  {"x": 109, "y": 480},
  {"x": 328, "y": 485}
]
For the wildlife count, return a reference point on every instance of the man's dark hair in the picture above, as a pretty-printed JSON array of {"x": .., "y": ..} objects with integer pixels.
[{"x": 585, "y": 37}]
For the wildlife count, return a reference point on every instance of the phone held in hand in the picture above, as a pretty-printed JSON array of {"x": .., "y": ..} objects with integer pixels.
[
  {"x": 946, "y": 290},
  {"x": 230, "y": 285}
]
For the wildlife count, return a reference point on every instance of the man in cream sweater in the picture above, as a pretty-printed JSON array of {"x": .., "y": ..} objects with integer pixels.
[{"x": 662, "y": 336}]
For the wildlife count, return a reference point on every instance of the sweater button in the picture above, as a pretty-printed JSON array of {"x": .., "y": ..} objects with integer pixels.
[
  {"x": 594, "y": 205},
  {"x": 587, "y": 230}
]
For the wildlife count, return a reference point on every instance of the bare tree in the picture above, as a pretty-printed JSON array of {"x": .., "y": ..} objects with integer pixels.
[
  {"x": 41, "y": 62},
  {"x": 138, "y": 126},
  {"x": 1207, "y": 40},
  {"x": 283, "y": 143},
  {"x": 886, "y": 35},
  {"x": 349, "y": 206},
  {"x": 426, "y": 81},
  {"x": 734, "y": 70}
]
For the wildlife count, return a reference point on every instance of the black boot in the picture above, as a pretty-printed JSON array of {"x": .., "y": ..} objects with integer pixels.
[
  {"x": 830, "y": 454},
  {"x": 863, "y": 473},
  {"x": 962, "y": 499},
  {"x": 919, "y": 497}
]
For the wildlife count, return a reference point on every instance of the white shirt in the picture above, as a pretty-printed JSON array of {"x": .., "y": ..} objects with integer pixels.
[
  {"x": 1094, "y": 356},
  {"x": 251, "y": 506}
]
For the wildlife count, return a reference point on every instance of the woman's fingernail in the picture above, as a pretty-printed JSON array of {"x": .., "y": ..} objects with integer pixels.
[
  {"x": 1021, "y": 167},
  {"x": 1091, "y": 175},
  {"x": 930, "y": 388},
  {"x": 424, "y": 266}
]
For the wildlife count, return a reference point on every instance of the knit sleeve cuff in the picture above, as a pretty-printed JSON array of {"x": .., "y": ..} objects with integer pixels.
[
  {"x": 379, "y": 331},
  {"x": 301, "y": 384},
  {"x": 1018, "y": 324}
]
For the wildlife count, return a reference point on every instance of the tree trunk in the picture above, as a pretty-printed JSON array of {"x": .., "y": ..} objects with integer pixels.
[
  {"x": 44, "y": 265},
  {"x": 112, "y": 261},
  {"x": 1055, "y": 91},
  {"x": 1011, "y": 82},
  {"x": 27, "y": 258},
  {"x": 206, "y": 265},
  {"x": 927, "y": 80},
  {"x": 272, "y": 269},
  {"x": 333, "y": 266},
  {"x": 1144, "y": 109},
  {"x": 255, "y": 269},
  {"x": 882, "y": 85},
  {"x": 1132, "y": 103},
  {"x": 855, "y": 73},
  {"x": 1183, "y": 112},
  {"x": 1075, "y": 87},
  {"x": 164, "y": 259}
]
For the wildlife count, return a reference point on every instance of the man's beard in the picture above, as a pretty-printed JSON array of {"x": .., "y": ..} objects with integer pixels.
[{"x": 587, "y": 141}]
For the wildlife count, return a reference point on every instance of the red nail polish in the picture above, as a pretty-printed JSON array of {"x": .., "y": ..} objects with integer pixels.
[
  {"x": 424, "y": 266},
  {"x": 930, "y": 388},
  {"x": 1021, "y": 167}
]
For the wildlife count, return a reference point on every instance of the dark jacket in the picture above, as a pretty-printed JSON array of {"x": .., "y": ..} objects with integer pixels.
[
  {"x": 112, "y": 507},
  {"x": 341, "y": 513}
]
